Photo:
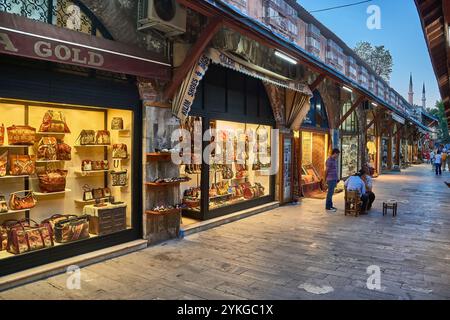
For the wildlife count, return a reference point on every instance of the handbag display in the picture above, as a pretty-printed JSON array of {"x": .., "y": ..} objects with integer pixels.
[
  {"x": 87, "y": 137},
  {"x": 2, "y": 134},
  {"x": 119, "y": 178},
  {"x": 3, "y": 164},
  {"x": 68, "y": 228},
  {"x": 26, "y": 202},
  {"x": 53, "y": 181},
  {"x": 54, "y": 121},
  {"x": 3, "y": 204},
  {"x": 27, "y": 235},
  {"x": 86, "y": 165},
  {"x": 103, "y": 137},
  {"x": 21, "y": 135},
  {"x": 117, "y": 123},
  {"x": 47, "y": 149},
  {"x": 120, "y": 151},
  {"x": 100, "y": 165},
  {"x": 227, "y": 172},
  {"x": 22, "y": 165},
  {"x": 63, "y": 151}
]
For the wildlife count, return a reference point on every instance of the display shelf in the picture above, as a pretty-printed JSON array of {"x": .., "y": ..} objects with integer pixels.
[
  {"x": 15, "y": 177},
  {"x": 49, "y": 161},
  {"x": 159, "y": 156},
  {"x": 163, "y": 184},
  {"x": 83, "y": 202},
  {"x": 40, "y": 133},
  {"x": 15, "y": 146},
  {"x": 48, "y": 194},
  {"x": 171, "y": 211},
  {"x": 221, "y": 196},
  {"x": 13, "y": 211},
  {"x": 92, "y": 145},
  {"x": 86, "y": 173}
]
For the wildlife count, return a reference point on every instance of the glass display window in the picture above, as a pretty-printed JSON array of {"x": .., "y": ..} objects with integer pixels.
[
  {"x": 349, "y": 155},
  {"x": 67, "y": 175}
]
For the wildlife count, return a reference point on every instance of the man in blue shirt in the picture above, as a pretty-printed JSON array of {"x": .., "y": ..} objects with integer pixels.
[
  {"x": 355, "y": 183},
  {"x": 331, "y": 178}
]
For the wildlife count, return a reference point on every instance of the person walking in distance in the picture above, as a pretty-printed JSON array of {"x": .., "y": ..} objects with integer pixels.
[
  {"x": 331, "y": 177},
  {"x": 438, "y": 163},
  {"x": 444, "y": 156}
]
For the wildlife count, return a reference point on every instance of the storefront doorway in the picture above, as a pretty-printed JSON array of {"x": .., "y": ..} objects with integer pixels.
[{"x": 350, "y": 153}]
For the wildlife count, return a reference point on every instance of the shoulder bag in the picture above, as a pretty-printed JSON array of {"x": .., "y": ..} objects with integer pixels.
[
  {"x": 120, "y": 151},
  {"x": 21, "y": 135},
  {"x": 26, "y": 202},
  {"x": 21, "y": 165},
  {"x": 54, "y": 121},
  {"x": 47, "y": 149},
  {"x": 87, "y": 137},
  {"x": 103, "y": 137},
  {"x": 119, "y": 178},
  {"x": 53, "y": 181},
  {"x": 63, "y": 151}
]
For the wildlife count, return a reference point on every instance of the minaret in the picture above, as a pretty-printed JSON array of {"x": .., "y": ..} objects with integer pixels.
[
  {"x": 424, "y": 97},
  {"x": 411, "y": 91}
]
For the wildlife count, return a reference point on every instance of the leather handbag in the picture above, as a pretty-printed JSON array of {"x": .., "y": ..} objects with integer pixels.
[
  {"x": 27, "y": 235},
  {"x": 2, "y": 134},
  {"x": 103, "y": 137},
  {"x": 87, "y": 137},
  {"x": 54, "y": 121},
  {"x": 86, "y": 165},
  {"x": 63, "y": 151},
  {"x": 71, "y": 229},
  {"x": 100, "y": 165},
  {"x": 53, "y": 181},
  {"x": 26, "y": 202},
  {"x": 47, "y": 149},
  {"x": 120, "y": 151},
  {"x": 3, "y": 164},
  {"x": 22, "y": 165},
  {"x": 21, "y": 135},
  {"x": 117, "y": 123},
  {"x": 68, "y": 228},
  {"x": 119, "y": 178}
]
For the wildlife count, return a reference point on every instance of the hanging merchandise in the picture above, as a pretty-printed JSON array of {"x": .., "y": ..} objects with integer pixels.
[
  {"x": 117, "y": 123},
  {"x": 21, "y": 135},
  {"x": 54, "y": 121},
  {"x": 47, "y": 149},
  {"x": 22, "y": 165},
  {"x": 26, "y": 202},
  {"x": 119, "y": 178},
  {"x": 120, "y": 151},
  {"x": 87, "y": 137},
  {"x": 103, "y": 137},
  {"x": 53, "y": 181},
  {"x": 2, "y": 134}
]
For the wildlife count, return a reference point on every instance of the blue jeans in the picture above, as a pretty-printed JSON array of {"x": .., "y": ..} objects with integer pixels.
[
  {"x": 331, "y": 186},
  {"x": 438, "y": 168}
]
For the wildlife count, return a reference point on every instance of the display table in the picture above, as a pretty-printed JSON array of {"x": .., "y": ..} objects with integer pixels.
[{"x": 108, "y": 219}]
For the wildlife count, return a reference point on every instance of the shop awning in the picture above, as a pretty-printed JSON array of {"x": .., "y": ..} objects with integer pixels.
[
  {"x": 399, "y": 119},
  {"x": 20, "y": 36},
  {"x": 185, "y": 96}
]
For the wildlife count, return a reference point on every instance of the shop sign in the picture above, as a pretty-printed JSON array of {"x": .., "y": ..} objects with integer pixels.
[{"x": 26, "y": 38}]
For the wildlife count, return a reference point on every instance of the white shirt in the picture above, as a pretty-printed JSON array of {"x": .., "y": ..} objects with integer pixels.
[
  {"x": 438, "y": 159},
  {"x": 369, "y": 182},
  {"x": 355, "y": 183}
]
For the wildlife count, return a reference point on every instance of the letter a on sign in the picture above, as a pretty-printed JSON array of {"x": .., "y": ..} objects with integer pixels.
[
  {"x": 6, "y": 42},
  {"x": 374, "y": 280}
]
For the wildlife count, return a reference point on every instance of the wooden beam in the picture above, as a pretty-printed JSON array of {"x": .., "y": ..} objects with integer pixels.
[
  {"x": 194, "y": 54},
  {"x": 313, "y": 86},
  {"x": 352, "y": 109},
  {"x": 369, "y": 125}
]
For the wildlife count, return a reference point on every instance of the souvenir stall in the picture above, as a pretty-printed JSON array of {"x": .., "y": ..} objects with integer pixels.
[{"x": 350, "y": 156}]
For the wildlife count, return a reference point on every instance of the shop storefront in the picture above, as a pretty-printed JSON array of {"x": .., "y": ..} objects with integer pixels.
[
  {"x": 315, "y": 144},
  {"x": 237, "y": 111},
  {"x": 372, "y": 143},
  {"x": 70, "y": 142},
  {"x": 350, "y": 155}
]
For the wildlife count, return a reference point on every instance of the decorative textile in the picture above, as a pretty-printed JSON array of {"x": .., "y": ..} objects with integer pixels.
[
  {"x": 297, "y": 109},
  {"x": 277, "y": 99}
]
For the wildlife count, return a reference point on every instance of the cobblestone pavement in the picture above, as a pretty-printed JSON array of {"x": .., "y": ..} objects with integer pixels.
[{"x": 294, "y": 252}]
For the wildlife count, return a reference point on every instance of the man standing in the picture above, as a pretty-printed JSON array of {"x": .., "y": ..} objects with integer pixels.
[
  {"x": 331, "y": 177},
  {"x": 438, "y": 163}
]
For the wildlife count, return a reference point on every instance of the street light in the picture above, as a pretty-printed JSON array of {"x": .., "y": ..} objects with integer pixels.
[{"x": 347, "y": 89}]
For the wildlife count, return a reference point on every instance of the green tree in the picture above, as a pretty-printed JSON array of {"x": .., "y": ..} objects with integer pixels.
[
  {"x": 439, "y": 112},
  {"x": 377, "y": 57}
]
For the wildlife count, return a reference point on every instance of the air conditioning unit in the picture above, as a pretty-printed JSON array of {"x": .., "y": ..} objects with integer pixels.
[{"x": 166, "y": 16}]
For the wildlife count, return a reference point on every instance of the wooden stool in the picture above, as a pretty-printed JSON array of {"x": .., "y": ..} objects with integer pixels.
[
  {"x": 353, "y": 203},
  {"x": 391, "y": 204}
]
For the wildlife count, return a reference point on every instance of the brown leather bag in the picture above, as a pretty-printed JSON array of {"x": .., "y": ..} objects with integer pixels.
[
  {"x": 103, "y": 137},
  {"x": 27, "y": 235},
  {"x": 63, "y": 151},
  {"x": 53, "y": 181},
  {"x": 54, "y": 121},
  {"x": 47, "y": 149},
  {"x": 22, "y": 165},
  {"x": 21, "y": 135},
  {"x": 26, "y": 202}
]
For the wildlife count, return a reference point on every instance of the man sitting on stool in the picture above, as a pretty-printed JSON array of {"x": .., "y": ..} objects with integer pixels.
[
  {"x": 355, "y": 183},
  {"x": 366, "y": 176}
]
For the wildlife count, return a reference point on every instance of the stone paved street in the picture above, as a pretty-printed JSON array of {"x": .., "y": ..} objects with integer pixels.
[{"x": 294, "y": 252}]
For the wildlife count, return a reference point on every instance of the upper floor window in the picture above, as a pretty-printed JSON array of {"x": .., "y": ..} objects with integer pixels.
[
  {"x": 70, "y": 14},
  {"x": 313, "y": 30}
]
